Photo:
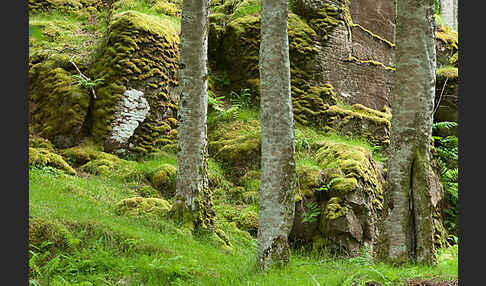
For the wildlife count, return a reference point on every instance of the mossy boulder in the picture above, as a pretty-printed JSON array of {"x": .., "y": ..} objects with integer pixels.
[
  {"x": 164, "y": 180},
  {"x": 66, "y": 6},
  {"x": 346, "y": 189},
  {"x": 447, "y": 97},
  {"x": 58, "y": 105},
  {"x": 90, "y": 159},
  {"x": 446, "y": 45},
  {"x": 47, "y": 234},
  {"x": 236, "y": 144},
  {"x": 139, "y": 206},
  {"x": 42, "y": 157},
  {"x": 99, "y": 166},
  {"x": 141, "y": 54},
  {"x": 358, "y": 121}
]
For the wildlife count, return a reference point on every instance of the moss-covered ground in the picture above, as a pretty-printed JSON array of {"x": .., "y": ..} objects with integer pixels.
[{"x": 82, "y": 235}]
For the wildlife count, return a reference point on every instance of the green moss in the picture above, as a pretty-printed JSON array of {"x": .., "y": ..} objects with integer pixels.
[
  {"x": 236, "y": 143},
  {"x": 139, "y": 206},
  {"x": 42, "y": 231},
  {"x": 448, "y": 72},
  {"x": 58, "y": 105},
  {"x": 345, "y": 185},
  {"x": 334, "y": 209},
  {"x": 309, "y": 178},
  {"x": 167, "y": 8},
  {"x": 99, "y": 166},
  {"x": 164, "y": 180},
  {"x": 142, "y": 53},
  {"x": 349, "y": 167},
  {"x": 42, "y": 157},
  {"x": 359, "y": 121}
]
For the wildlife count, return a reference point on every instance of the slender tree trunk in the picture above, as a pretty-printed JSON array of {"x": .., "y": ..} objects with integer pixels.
[
  {"x": 408, "y": 228},
  {"x": 447, "y": 12},
  {"x": 277, "y": 194},
  {"x": 455, "y": 15},
  {"x": 193, "y": 197}
]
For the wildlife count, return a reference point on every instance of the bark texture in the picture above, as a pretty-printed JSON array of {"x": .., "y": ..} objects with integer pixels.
[
  {"x": 408, "y": 229},
  {"x": 193, "y": 197},
  {"x": 277, "y": 194},
  {"x": 448, "y": 12}
]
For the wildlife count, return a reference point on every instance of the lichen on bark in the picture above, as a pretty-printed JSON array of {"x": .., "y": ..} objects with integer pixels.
[{"x": 277, "y": 193}]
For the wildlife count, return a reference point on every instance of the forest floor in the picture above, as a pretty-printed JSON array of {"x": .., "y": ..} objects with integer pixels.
[{"x": 83, "y": 241}]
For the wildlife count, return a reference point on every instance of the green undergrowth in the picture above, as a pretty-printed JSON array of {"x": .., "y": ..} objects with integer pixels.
[
  {"x": 83, "y": 229},
  {"x": 87, "y": 242}
]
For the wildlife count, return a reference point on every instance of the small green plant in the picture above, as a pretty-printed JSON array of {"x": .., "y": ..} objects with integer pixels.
[
  {"x": 214, "y": 102},
  {"x": 446, "y": 155},
  {"x": 313, "y": 211},
  {"x": 327, "y": 187},
  {"x": 242, "y": 99},
  {"x": 87, "y": 83}
]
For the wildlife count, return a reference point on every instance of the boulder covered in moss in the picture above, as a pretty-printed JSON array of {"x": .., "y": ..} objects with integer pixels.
[
  {"x": 84, "y": 153},
  {"x": 164, "y": 180},
  {"x": 446, "y": 45},
  {"x": 42, "y": 157},
  {"x": 66, "y": 6},
  {"x": 58, "y": 105},
  {"x": 346, "y": 191},
  {"x": 139, "y": 206},
  {"x": 447, "y": 98},
  {"x": 141, "y": 54},
  {"x": 236, "y": 144}
]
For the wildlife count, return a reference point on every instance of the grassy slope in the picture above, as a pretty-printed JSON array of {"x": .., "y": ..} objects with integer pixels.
[{"x": 146, "y": 251}]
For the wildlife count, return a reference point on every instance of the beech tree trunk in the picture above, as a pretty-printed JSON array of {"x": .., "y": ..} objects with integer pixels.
[
  {"x": 407, "y": 232},
  {"x": 447, "y": 11},
  {"x": 277, "y": 193},
  {"x": 193, "y": 197}
]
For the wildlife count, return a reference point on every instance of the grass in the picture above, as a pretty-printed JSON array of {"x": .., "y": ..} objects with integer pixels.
[{"x": 155, "y": 251}]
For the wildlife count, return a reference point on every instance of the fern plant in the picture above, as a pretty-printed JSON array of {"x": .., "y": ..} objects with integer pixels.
[
  {"x": 446, "y": 155},
  {"x": 313, "y": 211}
]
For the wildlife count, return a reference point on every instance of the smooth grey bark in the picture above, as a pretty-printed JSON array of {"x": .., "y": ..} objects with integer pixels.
[
  {"x": 456, "y": 16},
  {"x": 407, "y": 233},
  {"x": 447, "y": 11},
  {"x": 193, "y": 198},
  {"x": 277, "y": 193}
]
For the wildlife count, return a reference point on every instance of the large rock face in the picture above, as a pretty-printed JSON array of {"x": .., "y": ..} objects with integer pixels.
[{"x": 142, "y": 54}]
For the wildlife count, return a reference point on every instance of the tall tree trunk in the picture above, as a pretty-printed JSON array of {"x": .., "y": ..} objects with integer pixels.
[
  {"x": 193, "y": 197},
  {"x": 408, "y": 228},
  {"x": 455, "y": 15},
  {"x": 447, "y": 12},
  {"x": 277, "y": 193}
]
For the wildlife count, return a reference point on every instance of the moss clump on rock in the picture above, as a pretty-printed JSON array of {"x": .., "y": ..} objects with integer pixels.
[
  {"x": 86, "y": 152},
  {"x": 57, "y": 104},
  {"x": 309, "y": 178},
  {"x": 359, "y": 121},
  {"x": 446, "y": 44},
  {"x": 66, "y": 6},
  {"x": 164, "y": 180},
  {"x": 236, "y": 143},
  {"x": 334, "y": 209},
  {"x": 41, "y": 157},
  {"x": 142, "y": 54},
  {"x": 99, "y": 167},
  {"x": 352, "y": 206},
  {"x": 139, "y": 206},
  {"x": 42, "y": 231}
]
